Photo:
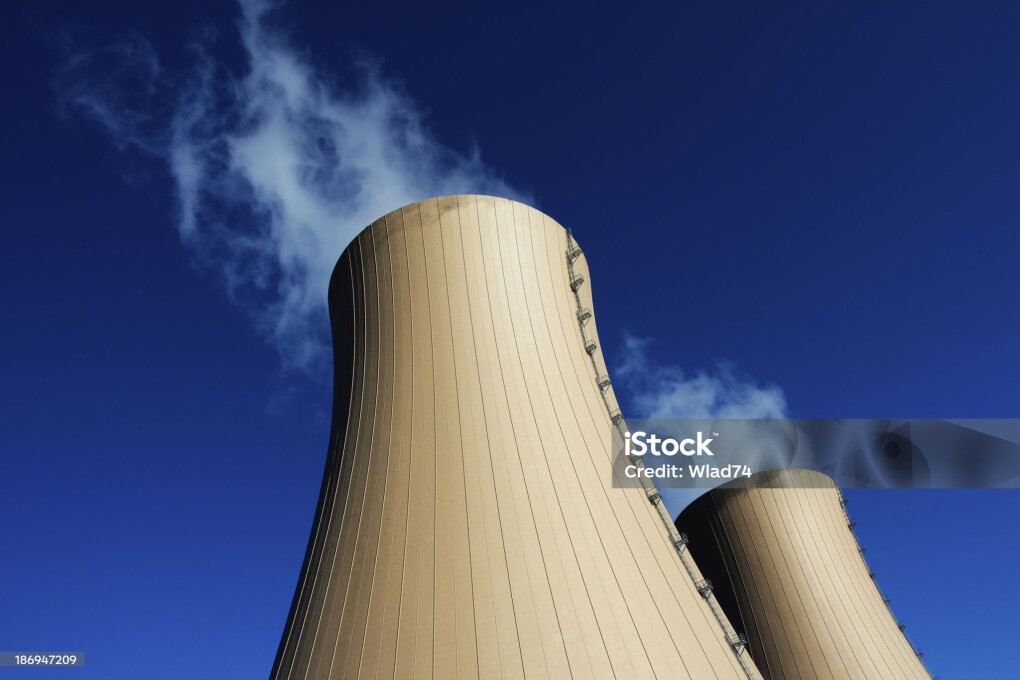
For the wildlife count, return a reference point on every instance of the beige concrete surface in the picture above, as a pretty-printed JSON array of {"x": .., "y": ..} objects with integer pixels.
[
  {"x": 467, "y": 525},
  {"x": 806, "y": 599}
]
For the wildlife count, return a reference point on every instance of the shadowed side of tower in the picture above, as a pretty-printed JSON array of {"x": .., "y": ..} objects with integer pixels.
[
  {"x": 467, "y": 524},
  {"x": 788, "y": 568}
]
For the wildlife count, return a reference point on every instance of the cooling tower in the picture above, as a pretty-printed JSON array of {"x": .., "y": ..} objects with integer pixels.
[
  {"x": 788, "y": 569},
  {"x": 467, "y": 524}
]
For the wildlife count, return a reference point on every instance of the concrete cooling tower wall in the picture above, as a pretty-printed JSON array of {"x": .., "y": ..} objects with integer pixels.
[
  {"x": 467, "y": 524},
  {"x": 788, "y": 570}
]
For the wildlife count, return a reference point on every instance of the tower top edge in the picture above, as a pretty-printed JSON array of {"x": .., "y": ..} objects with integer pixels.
[
  {"x": 445, "y": 202},
  {"x": 397, "y": 220},
  {"x": 461, "y": 197}
]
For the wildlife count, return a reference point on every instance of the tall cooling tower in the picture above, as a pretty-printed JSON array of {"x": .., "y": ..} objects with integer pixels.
[
  {"x": 467, "y": 525},
  {"x": 788, "y": 569}
]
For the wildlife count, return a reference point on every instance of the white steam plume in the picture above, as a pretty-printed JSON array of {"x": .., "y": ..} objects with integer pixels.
[
  {"x": 665, "y": 391},
  {"x": 276, "y": 170}
]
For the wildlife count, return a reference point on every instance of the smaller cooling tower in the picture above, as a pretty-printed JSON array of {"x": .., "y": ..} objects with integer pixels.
[{"x": 788, "y": 570}]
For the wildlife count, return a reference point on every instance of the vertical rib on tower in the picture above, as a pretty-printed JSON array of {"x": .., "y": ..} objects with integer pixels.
[{"x": 467, "y": 525}]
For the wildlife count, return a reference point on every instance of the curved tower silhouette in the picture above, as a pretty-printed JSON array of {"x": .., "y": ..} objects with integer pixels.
[
  {"x": 467, "y": 524},
  {"x": 788, "y": 569}
]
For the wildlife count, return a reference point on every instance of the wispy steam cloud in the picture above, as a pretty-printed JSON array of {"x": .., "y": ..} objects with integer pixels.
[
  {"x": 276, "y": 169},
  {"x": 665, "y": 391}
]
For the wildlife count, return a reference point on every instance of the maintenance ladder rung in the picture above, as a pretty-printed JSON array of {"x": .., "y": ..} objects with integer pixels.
[{"x": 740, "y": 641}]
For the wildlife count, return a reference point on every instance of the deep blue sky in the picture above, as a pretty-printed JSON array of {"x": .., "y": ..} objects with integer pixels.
[{"x": 827, "y": 196}]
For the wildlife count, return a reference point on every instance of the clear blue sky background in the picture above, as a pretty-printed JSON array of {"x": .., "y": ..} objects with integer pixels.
[{"x": 827, "y": 196}]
